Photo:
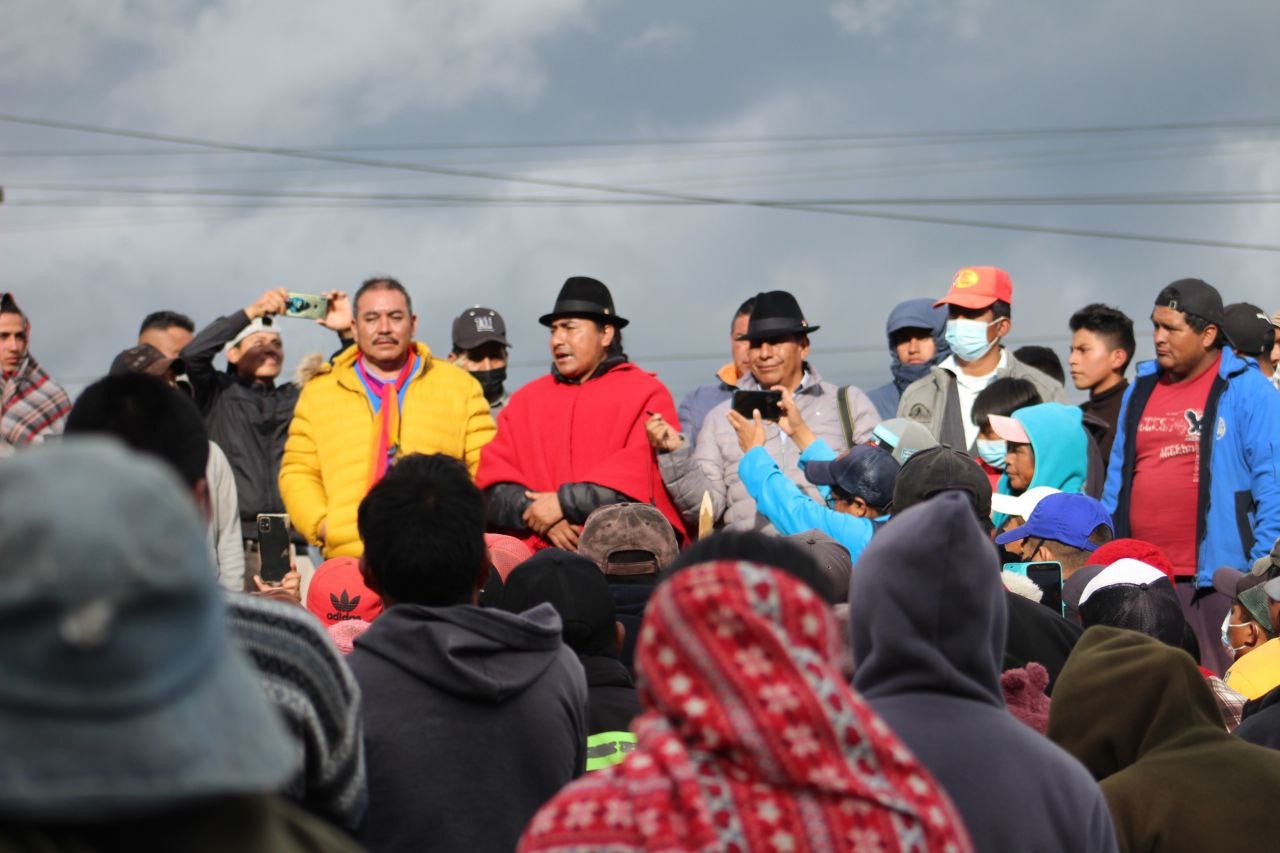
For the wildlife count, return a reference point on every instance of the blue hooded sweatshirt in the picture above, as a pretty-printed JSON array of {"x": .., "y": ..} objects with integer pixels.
[
  {"x": 1061, "y": 447},
  {"x": 912, "y": 314},
  {"x": 1238, "y": 511}
]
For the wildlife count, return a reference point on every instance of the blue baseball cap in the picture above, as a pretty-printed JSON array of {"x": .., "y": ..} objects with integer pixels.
[
  {"x": 1065, "y": 518},
  {"x": 866, "y": 472}
]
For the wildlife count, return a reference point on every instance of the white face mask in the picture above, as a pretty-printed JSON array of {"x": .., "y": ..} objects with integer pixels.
[
  {"x": 968, "y": 338},
  {"x": 993, "y": 451}
]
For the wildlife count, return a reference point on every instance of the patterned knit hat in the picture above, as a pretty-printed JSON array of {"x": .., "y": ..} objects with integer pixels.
[{"x": 749, "y": 732}]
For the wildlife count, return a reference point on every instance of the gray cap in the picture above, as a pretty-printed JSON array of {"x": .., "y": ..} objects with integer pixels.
[
  {"x": 903, "y": 437},
  {"x": 120, "y": 691}
]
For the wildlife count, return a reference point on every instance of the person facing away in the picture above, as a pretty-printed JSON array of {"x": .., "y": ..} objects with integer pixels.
[
  {"x": 32, "y": 405},
  {"x": 378, "y": 401},
  {"x": 979, "y": 315},
  {"x": 577, "y": 589},
  {"x": 1194, "y": 463},
  {"x": 698, "y": 403},
  {"x": 751, "y": 738},
  {"x": 480, "y": 347},
  {"x": 1102, "y": 345},
  {"x": 225, "y": 537},
  {"x": 916, "y": 343},
  {"x": 928, "y": 618},
  {"x": 128, "y": 720},
  {"x": 778, "y": 346},
  {"x": 473, "y": 717},
  {"x": 574, "y": 440},
  {"x": 1174, "y": 779},
  {"x": 246, "y": 410}
]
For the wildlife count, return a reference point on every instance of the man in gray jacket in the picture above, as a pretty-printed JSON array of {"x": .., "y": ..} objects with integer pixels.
[
  {"x": 979, "y": 314},
  {"x": 778, "y": 335}
]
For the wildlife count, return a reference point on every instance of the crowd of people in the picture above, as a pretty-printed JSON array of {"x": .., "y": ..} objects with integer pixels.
[{"x": 949, "y": 613}]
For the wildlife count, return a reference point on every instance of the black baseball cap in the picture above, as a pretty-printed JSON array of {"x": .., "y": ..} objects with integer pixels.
[
  {"x": 866, "y": 472},
  {"x": 1193, "y": 296},
  {"x": 941, "y": 469},
  {"x": 1248, "y": 329},
  {"x": 144, "y": 358},
  {"x": 477, "y": 326}
]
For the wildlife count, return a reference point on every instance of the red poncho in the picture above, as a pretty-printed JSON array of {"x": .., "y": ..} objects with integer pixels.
[{"x": 551, "y": 432}]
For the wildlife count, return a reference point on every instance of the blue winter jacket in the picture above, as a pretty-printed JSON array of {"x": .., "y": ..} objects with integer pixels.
[
  {"x": 1238, "y": 510},
  {"x": 791, "y": 511}
]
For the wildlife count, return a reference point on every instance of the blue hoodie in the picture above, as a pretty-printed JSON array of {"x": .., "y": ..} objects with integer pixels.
[
  {"x": 1238, "y": 511},
  {"x": 1061, "y": 447},
  {"x": 912, "y": 314}
]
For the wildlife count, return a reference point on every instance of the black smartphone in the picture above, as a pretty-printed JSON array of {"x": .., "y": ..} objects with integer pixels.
[
  {"x": 746, "y": 402},
  {"x": 1048, "y": 576},
  {"x": 273, "y": 545}
]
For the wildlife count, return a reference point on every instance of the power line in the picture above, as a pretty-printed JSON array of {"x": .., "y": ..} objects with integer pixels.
[
  {"x": 480, "y": 174},
  {"x": 884, "y": 138}
]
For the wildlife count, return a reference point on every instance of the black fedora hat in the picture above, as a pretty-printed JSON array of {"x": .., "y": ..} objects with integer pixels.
[
  {"x": 584, "y": 297},
  {"x": 776, "y": 313}
]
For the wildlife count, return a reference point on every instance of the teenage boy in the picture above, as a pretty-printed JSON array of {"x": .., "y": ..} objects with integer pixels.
[{"x": 1102, "y": 345}]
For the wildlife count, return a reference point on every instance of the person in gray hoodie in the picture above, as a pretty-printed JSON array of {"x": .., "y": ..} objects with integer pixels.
[
  {"x": 916, "y": 344},
  {"x": 928, "y": 614},
  {"x": 473, "y": 717}
]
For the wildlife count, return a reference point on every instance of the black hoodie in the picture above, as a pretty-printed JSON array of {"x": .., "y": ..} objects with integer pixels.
[
  {"x": 1142, "y": 718},
  {"x": 928, "y": 622},
  {"x": 473, "y": 719}
]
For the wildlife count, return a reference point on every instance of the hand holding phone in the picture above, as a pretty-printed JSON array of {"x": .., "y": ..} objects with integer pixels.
[
  {"x": 767, "y": 402},
  {"x": 310, "y": 306},
  {"x": 273, "y": 546}
]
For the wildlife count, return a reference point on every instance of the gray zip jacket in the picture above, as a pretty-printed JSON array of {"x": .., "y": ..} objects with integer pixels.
[
  {"x": 934, "y": 401},
  {"x": 712, "y": 464}
]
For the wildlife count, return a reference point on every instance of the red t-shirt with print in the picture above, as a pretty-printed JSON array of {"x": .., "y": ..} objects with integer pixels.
[{"x": 1166, "y": 469}]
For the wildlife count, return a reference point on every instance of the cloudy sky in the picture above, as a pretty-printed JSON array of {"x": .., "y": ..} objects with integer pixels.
[{"x": 465, "y": 146}]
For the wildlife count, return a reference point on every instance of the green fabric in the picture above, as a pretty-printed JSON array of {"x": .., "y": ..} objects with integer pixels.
[
  {"x": 606, "y": 749},
  {"x": 1142, "y": 719}
]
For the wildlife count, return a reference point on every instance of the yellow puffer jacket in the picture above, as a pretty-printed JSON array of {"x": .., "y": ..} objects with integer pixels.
[{"x": 325, "y": 470}]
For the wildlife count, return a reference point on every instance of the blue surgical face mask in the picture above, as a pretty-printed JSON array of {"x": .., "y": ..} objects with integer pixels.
[
  {"x": 993, "y": 451},
  {"x": 968, "y": 338}
]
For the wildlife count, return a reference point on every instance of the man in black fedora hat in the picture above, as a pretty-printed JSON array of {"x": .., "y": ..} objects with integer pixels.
[
  {"x": 778, "y": 337},
  {"x": 574, "y": 440}
]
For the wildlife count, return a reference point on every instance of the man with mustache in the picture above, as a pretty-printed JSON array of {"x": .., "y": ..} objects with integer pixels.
[
  {"x": 1194, "y": 466},
  {"x": 377, "y": 402}
]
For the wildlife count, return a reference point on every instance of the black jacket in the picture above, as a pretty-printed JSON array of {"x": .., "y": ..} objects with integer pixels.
[
  {"x": 248, "y": 420},
  {"x": 1260, "y": 721},
  {"x": 473, "y": 719},
  {"x": 612, "y": 701}
]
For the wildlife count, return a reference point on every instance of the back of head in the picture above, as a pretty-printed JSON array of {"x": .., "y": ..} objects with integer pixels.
[
  {"x": 423, "y": 532},
  {"x": 1122, "y": 695},
  {"x": 1137, "y": 549},
  {"x": 1150, "y": 609},
  {"x": 942, "y": 469},
  {"x": 755, "y": 547},
  {"x": 120, "y": 694},
  {"x": 574, "y": 586},
  {"x": 162, "y": 320},
  {"x": 927, "y": 607},
  {"x": 1003, "y": 397},
  {"x": 1042, "y": 359},
  {"x": 833, "y": 559},
  {"x": 1248, "y": 329},
  {"x": 148, "y": 415},
  {"x": 628, "y": 540}
]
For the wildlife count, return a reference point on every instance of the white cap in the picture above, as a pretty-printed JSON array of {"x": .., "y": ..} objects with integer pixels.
[
  {"x": 1123, "y": 571},
  {"x": 255, "y": 326},
  {"x": 1024, "y": 504}
]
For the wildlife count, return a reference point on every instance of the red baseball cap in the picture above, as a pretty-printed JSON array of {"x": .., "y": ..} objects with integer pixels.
[
  {"x": 978, "y": 287},
  {"x": 506, "y": 552},
  {"x": 338, "y": 593}
]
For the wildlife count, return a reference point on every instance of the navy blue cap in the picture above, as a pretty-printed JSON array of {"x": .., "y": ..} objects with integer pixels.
[
  {"x": 866, "y": 472},
  {"x": 1066, "y": 518}
]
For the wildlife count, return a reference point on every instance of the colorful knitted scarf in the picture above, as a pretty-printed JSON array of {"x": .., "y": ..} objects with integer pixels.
[{"x": 751, "y": 738}]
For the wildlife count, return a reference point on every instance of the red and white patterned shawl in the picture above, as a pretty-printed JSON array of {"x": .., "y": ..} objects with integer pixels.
[
  {"x": 751, "y": 738},
  {"x": 31, "y": 405}
]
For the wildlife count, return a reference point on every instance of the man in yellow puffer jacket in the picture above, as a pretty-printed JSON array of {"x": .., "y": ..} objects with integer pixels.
[{"x": 384, "y": 398}]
